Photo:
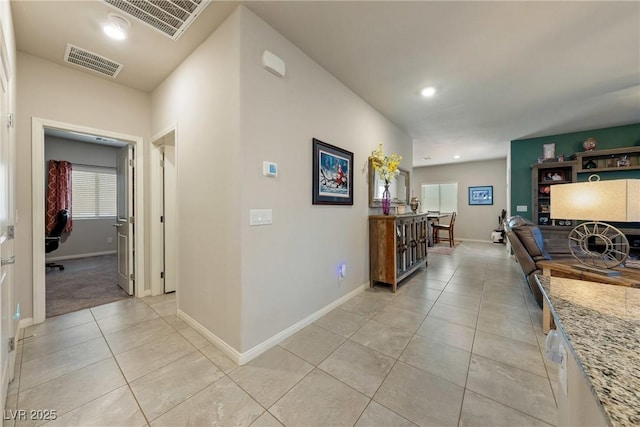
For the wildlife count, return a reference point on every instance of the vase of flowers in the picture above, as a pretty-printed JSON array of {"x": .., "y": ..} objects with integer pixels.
[{"x": 387, "y": 168}]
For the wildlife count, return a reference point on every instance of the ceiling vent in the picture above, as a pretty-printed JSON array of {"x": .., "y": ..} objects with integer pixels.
[
  {"x": 170, "y": 17},
  {"x": 91, "y": 61}
]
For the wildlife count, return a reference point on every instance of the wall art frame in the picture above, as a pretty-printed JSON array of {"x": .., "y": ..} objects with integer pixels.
[
  {"x": 332, "y": 175},
  {"x": 481, "y": 195}
]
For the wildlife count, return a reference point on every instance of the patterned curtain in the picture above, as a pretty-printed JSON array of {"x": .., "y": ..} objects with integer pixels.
[{"x": 58, "y": 193}]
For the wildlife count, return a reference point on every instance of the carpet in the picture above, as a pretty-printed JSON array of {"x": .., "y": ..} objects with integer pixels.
[
  {"x": 444, "y": 250},
  {"x": 84, "y": 283}
]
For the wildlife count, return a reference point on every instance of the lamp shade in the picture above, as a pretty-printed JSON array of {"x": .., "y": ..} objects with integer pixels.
[{"x": 614, "y": 200}]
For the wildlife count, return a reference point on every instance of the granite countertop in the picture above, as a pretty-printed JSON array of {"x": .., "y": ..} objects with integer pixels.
[{"x": 602, "y": 325}]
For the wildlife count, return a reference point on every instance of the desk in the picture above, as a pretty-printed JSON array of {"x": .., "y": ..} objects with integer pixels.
[
  {"x": 629, "y": 277},
  {"x": 599, "y": 325}
]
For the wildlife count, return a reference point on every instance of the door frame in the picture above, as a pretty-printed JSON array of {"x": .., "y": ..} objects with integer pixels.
[
  {"x": 157, "y": 200},
  {"x": 38, "y": 126}
]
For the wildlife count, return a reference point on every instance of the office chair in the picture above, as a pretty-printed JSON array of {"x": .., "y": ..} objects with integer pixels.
[
  {"x": 52, "y": 241},
  {"x": 445, "y": 228}
]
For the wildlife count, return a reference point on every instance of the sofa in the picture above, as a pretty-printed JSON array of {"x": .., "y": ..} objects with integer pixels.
[{"x": 528, "y": 245}]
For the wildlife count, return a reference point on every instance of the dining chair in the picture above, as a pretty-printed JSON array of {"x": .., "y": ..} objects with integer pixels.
[{"x": 445, "y": 228}]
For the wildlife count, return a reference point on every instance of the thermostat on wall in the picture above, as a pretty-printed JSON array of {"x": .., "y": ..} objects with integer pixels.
[{"x": 269, "y": 169}]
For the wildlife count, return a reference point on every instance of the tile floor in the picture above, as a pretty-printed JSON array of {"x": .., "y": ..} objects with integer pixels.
[{"x": 458, "y": 344}]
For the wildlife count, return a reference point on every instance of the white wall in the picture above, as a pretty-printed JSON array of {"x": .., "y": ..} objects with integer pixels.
[
  {"x": 473, "y": 222},
  {"x": 201, "y": 96},
  {"x": 55, "y": 92},
  {"x": 246, "y": 284},
  {"x": 289, "y": 269},
  {"x": 89, "y": 236}
]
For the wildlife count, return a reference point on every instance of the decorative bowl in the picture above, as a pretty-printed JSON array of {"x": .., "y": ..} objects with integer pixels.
[{"x": 589, "y": 144}]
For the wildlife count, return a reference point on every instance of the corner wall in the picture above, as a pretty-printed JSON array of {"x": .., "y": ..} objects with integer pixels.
[
  {"x": 472, "y": 222},
  {"x": 201, "y": 97},
  {"x": 246, "y": 284}
]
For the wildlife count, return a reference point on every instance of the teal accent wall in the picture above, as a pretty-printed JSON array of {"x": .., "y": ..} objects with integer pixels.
[{"x": 525, "y": 152}]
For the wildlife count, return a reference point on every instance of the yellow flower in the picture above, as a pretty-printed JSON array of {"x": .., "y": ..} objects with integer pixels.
[{"x": 386, "y": 166}]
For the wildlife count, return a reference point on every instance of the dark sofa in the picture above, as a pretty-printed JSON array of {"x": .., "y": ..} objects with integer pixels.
[{"x": 528, "y": 246}]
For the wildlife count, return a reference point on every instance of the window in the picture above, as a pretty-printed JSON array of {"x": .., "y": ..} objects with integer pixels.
[
  {"x": 440, "y": 197},
  {"x": 93, "y": 192}
]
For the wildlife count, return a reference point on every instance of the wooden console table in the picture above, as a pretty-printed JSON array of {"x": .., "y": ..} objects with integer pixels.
[
  {"x": 397, "y": 246},
  {"x": 629, "y": 277}
]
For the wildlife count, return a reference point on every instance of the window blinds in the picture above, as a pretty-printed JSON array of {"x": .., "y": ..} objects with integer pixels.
[{"x": 93, "y": 192}]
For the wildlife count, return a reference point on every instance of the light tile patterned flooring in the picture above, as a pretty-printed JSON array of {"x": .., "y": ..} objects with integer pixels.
[{"x": 458, "y": 344}]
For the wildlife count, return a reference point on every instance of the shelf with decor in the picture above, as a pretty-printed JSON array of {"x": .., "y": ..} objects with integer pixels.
[
  {"x": 615, "y": 159},
  {"x": 543, "y": 176}
]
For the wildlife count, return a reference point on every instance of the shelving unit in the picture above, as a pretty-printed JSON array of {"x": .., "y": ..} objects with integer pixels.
[
  {"x": 615, "y": 159},
  {"x": 397, "y": 246},
  {"x": 544, "y": 175}
]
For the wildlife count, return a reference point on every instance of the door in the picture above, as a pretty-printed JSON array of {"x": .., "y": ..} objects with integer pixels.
[
  {"x": 125, "y": 220},
  {"x": 169, "y": 202},
  {"x": 7, "y": 355}
]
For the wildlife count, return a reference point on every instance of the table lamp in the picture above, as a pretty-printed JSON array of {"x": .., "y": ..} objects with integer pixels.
[{"x": 596, "y": 244}]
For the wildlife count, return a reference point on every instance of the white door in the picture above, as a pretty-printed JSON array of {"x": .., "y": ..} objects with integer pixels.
[
  {"x": 169, "y": 192},
  {"x": 7, "y": 355},
  {"x": 125, "y": 221}
]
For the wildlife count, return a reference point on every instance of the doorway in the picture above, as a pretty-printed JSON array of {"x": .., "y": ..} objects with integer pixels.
[
  {"x": 164, "y": 209},
  {"x": 135, "y": 259},
  {"x": 83, "y": 268}
]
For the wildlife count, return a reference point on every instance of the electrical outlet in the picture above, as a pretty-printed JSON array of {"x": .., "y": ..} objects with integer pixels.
[
  {"x": 342, "y": 271},
  {"x": 109, "y": 239}
]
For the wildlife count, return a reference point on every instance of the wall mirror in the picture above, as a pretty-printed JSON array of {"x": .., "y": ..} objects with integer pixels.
[{"x": 398, "y": 187}]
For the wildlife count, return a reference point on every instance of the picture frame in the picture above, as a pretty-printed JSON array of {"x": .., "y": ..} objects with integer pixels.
[
  {"x": 623, "y": 162},
  {"x": 481, "y": 195},
  {"x": 549, "y": 151},
  {"x": 554, "y": 175},
  {"x": 332, "y": 174}
]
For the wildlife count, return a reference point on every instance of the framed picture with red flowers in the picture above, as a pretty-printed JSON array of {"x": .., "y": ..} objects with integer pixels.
[{"x": 332, "y": 175}]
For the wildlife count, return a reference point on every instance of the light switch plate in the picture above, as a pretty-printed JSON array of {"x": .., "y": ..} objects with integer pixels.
[{"x": 260, "y": 216}]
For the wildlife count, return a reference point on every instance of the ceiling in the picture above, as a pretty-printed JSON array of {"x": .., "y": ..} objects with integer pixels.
[{"x": 503, "y": 70}]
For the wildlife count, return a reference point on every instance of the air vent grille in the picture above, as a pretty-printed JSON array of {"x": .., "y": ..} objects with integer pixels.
[
  {"x": 171, "y": 17},
  {"x": 91, "y": 61}
]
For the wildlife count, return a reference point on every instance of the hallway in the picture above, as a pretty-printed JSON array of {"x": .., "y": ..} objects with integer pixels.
[{"x": 460, "y": 343}]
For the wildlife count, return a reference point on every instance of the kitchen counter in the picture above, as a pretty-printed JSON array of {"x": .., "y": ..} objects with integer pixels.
[{"x": 601, "y": 323}]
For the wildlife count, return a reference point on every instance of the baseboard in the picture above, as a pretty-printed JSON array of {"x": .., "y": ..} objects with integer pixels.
[
  {"x": 247, "y": 356},
  {"x": 22, "y": 325},
  {"x": 286, "y": 333},
  {"x": 473, "y": 240},
  {"x": 77, "y": 256},
  {"x": 231, "y": 352}
]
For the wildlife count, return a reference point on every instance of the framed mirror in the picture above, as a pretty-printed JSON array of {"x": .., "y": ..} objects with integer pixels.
[{"x": 398, "y": 187}]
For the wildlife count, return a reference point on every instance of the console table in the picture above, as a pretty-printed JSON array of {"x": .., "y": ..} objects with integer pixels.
[{"x": 397, "y": 246}]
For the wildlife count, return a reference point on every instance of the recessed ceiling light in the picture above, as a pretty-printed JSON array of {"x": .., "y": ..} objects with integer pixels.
[
  {"x": 428, "y": 91},
  {"x": 117, "y": 27},
  {"x": 457, "y": 156}
]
